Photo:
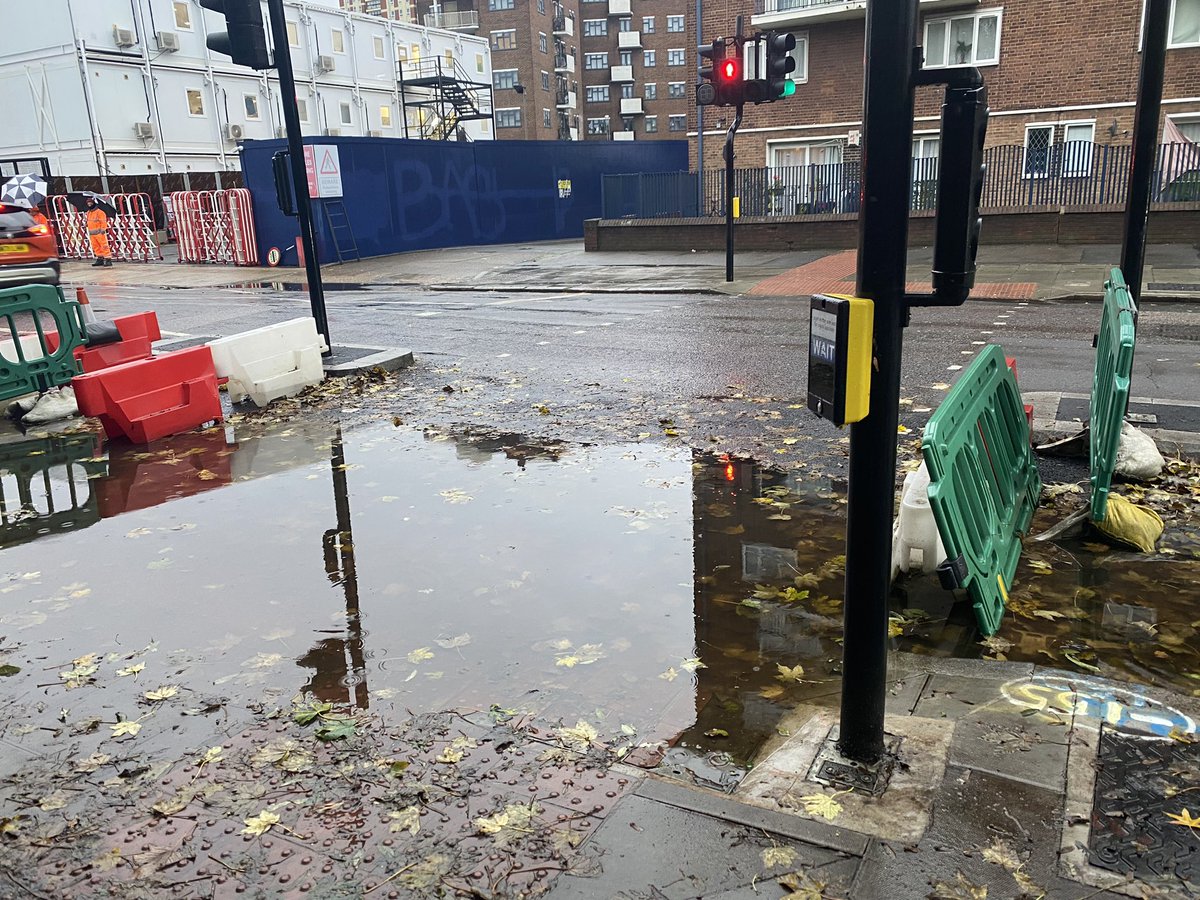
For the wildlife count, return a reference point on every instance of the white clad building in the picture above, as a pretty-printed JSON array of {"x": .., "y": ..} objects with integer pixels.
[{"x": 128, "y": 87}]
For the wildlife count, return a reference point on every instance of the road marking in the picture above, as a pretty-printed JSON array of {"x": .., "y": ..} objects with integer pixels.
[{"x": 537, "y": 299}]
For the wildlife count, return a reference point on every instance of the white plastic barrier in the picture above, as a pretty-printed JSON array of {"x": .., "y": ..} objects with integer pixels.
[
  {"x": 272, "y": 362},
  {"x": 916, "y": 529}
]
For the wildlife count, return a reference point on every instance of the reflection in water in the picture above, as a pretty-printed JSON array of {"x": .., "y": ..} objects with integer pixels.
[
  {"x": 45, "y": 487},
  {"x": 335, "y": 681}
]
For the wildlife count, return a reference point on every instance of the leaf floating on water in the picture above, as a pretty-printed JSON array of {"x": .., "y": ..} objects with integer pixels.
[
  {"x": 420, "y": 655},
  {"x": 163, "y": 693},
  {"x": 58, "y": 800},
  {"x": 6, "y": 670},
  {"x": 716, "y": 733},
  {"x": 583, "y": 656},
  {"x": 407, "y": 819},
  {"x": 308, "y": 714},
  {"x": 1040, "y": 567},
  {"x": 126, "y": 728},
  {"x": 752, "y": 603},
  {"x": 131, "y": 670},
  {"x": 263, "y": 661},
  {"x": 452, "y": 643},
  {"x": 450, "y": 756},
  {"x": 692, "y": 664},
  {"x": 108, "y": 861},
  {"x": 336, "y": 729},
  {"x": 260, "y": 824},
  {"x": 212, "y": 754},
  {"x": 789, "y": 676},
  {"x": 454, "y": 495},
  {"x": 669, "y": 675}
]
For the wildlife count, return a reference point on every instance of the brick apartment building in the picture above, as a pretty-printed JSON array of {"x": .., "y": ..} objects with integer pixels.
[
  {"x": 1062, "y": 79},
  {"x": 400, "y": 10}
]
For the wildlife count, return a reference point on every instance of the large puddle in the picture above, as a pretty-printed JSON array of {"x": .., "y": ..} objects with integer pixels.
[{"x": 656, "y": 592}]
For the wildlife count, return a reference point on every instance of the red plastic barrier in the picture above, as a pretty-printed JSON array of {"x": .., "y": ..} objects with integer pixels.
[
  {"x": 152, "y": 398},
  {"x": 137, "y": 332},
  {"x": 198, "y": 462},
  {"x": 138, "y": 325},
  {"x": 1012, "y": 364}
]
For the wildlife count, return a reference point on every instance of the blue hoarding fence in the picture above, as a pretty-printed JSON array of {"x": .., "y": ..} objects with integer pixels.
[
  {"x": 1078, "y": 173},
  {"x": 404, "y": 195}
]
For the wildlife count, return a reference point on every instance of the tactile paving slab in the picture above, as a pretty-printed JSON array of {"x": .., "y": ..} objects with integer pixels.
[{"x": 1140, "y": 783}]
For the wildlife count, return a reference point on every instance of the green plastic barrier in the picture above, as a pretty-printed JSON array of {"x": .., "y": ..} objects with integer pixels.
[
  {"x": 27, "y": 365},
  {"x": 1110, "y": 386},
  {"x": 983, "y": 482},
  {"x": 47, "y": 487}
]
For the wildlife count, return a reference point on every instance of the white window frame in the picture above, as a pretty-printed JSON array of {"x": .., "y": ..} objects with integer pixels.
[
  {"x": 293, "y": 33},
  {"x": 1085, "y": 170},
  {"x": 187, "y": 99},
  {"x": 650, "y": 90},
  {"x": 547, "y": 119},
  {"x": 607, "y": 125},
  {"x": 595, "y": 27},
  {"x": 800, "y": 74},
  {"x": 996, "y": 11},
  {"x": 1171, "y": 30},
  {"x": 509, "y": 109},
  {"x": 337, "y": 36},
  {"x": 543, "y": 44},
  {"x": 1181, "y": 119},
  {"x": 377, "y": 48},
  {"x": 385, "y": 116},
  {"x": 676, "y": 90},
  {"x": 1025, "y": 173},
  {"x": 682, "y": 56},
  {"x": 676, "y": 20},
  {"x": 345, "y": 113},
  {"x": 499, "y": 31},
  {"x": 257, "y": 117},
  {"x": 651, "y": 125},
  {"x": 302, "y": 110},
  {"x": 649, "y": 59},
  {"x": 545, "y": 80},
  {"x": 597, "y": 93},
  {"x": 180, "y": 6},
  {"x": 602, "y": 57},
  {"x": 648, "y": 25},
  {"x": 499, "y": 5},
  {"x": 516, "y": 74},
  {"x": 675, "y": 117}
]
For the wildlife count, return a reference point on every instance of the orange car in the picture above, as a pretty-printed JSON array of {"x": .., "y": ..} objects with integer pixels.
[{"x": 28, "y": 252}]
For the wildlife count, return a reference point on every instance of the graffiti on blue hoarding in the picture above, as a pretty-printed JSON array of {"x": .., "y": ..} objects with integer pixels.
[
  {"x": 425, "y": 204},
  {"x": 1090, "y": 699}
]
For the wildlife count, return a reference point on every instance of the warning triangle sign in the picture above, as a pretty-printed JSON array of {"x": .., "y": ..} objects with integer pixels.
[{"x": 328, "y": 166}]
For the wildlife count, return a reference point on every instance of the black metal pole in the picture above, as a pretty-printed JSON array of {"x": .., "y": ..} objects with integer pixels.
[
  {"x": 348, "y": 573},
  {"x": 737, "y": 120},
  {"x": 1145, "y": 144},
  {"x": 699, "y": 115},
  {"x": 882, "y": 259},
  {"x": 291, "y": 119}
]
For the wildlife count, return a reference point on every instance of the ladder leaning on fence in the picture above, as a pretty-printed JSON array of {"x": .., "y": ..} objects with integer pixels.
[{"x": 339, "y": 229}]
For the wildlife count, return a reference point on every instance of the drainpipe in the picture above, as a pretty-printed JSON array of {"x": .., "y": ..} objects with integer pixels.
[
  {"x": 150, "y": 85},
  {"x": 212, "y": 86},
  {"x": 90, "y": 104}
]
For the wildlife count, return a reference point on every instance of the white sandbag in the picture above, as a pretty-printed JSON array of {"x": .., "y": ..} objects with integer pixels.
[{"x": 1138, "y": 458}]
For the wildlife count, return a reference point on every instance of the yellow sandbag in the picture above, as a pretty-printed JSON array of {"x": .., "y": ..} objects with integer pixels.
[{"x": 1129, "y": 524}]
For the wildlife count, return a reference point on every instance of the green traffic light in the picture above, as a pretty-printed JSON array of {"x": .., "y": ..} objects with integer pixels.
[{"x": 789, "y": 88}]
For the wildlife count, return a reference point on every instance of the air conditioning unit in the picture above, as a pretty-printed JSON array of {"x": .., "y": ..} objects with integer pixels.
[
  {"x": 168, "y": 41},
  {"x": 854, "y": 138},
  {"x": 332, "y": 132},
  {"x": 123, "y": 37},
  {"x": 144, "y": 130},
  {"x": 375, "y": 133},
  {"x": 325, "y": 64},
  {"x": 234, "y": 132}
]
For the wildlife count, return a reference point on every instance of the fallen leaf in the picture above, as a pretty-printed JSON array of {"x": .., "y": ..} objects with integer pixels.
[
  {"x": 579, "y": 737},
  {"x": 777, "y": 857},
  {"x": 108, "y": 861},
  {"x": 669, "y": 675},
  {"x": 58, "y": 800},
  {"x": 1000, "y": 853},
  {"x": 407, "y": 819},
  {"x": 420, "y": 655},
  {"x": 789, "y": 676},
  {"x": 959, "y": 889},
  {"x": 451, "y": 643},
  {"x": 126, "y": 728},
  {"x": 1185, "y": 819},
  {"x": 824, "y": 805},
  {"x": 692, "y": 664},
  {"x": 260, "y": 824},
  {"x": 163, "y": 693}
]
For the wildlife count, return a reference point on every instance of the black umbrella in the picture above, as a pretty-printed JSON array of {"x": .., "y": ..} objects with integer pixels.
[{"x": 79, "y": 200}]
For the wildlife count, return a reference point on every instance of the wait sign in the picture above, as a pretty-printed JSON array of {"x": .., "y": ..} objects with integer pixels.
[
  {"x": 324, "y": 170},
  {"x": 839, "y": 357}
]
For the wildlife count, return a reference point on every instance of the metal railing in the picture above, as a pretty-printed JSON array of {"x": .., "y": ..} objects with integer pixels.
[
  {"x": 762, "y": 7},
  {"x": 467, "y": 18},
  {"x": 1065, "y": 175}
]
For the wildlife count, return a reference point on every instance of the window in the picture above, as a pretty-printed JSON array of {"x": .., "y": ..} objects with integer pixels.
[
  {"x": 595, "y": 60},
  {"x": 504, "y": 79},
  {"x": 972, "y": 40},
  {"x": 651, "y": 124},
  {"x": 649, "y": 59},
  {"x": 385, "y": 116},
  {"x": 302, "y": 110},
  {"x": 542, "y": 45},
  {"x": 401, "y": 53},
  {"x": 504, "y": 40},
  {"x": 508, "y": 118},
  {"x": 545, "y": 118},
  {"x": 924, "y": 169},
  {"x": 449, "y": 57},
  {"x": 337, "y": 40},
  {"x": 651, "y": 90},
  {"x": 675, "y": 58},
  {"x": 800, "y": 55},
  {"x": 1189, "y": 128},
  {"x": 677, "y": 123},
  {"x": 293, "y": 32},
  {"x": 674, "y": 23},
  {"x": 1184, "y": 28},
  {"x": 595, "y": 27},
  {"x": 1078, "y": 141},
  {"x": 597, "y": 126},
  {"x": 195, "y": 102},
  {"x": 1038, "y": 141},
  {"x": 545, "y": 81},
  {"x": 648, "y": 24},
  {"x": 596, "y": 93},
  {"x": 494, "y": 5},
  {"x": 625, "y": 25},
  {"x": 676, "y": 89},
  {"x": 347, "y": 116},
  {"x": 183, "y": 16},
  {"x": 250, "y": 106},
  {"x": 626, "y": 57},
  {"x": 542, "y": 7},
  {"x": 627, "y": 91},
  {"x": 479, "y": 63},
  {"x": 377, "y": 46}
]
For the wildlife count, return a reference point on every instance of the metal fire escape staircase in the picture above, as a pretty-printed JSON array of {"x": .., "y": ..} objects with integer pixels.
[{"x": 444, "y": 95}]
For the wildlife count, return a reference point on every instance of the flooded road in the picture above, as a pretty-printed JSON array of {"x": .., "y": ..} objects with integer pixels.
[{"x": 669, "y": 596}]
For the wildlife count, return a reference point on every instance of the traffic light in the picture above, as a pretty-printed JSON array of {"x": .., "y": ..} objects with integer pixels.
[
  {"x": 960, "y": 189},
  {"x": 714, "y": 55},
  {"x": 780, "y": 65},
  {"x": 246, "y": 39}
]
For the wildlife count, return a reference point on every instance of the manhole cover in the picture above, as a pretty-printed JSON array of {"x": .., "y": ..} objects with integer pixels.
[
  {"x": 1140, "y": 783},
  {"x": 833, "y": 770}
]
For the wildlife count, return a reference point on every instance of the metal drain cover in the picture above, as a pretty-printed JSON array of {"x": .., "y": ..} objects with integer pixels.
[
  {"x": 1140, "y": 781},
  {"x": 833, "y": 770}
]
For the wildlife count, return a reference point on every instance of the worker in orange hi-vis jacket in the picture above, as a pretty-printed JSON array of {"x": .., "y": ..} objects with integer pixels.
[{"x": 97, "y": 226}]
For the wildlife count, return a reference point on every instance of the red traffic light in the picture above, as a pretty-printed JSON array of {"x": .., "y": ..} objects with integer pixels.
[{"x": 729, "y": 69}]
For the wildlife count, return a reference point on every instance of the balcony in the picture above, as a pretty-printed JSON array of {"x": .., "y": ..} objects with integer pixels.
[
  {"x": 620, "y": 8},
  {"x": 564, "y": 26},
  {"x": 466, "y": 20},
  {"x": 565, "y": 99},
  {"x": 785, "y": 13},
  {"x": 622, "y": 135},
  {"x": 631, "y": 106},
  {"x": 619, "y": 74},
  {"x": 564, "y": 63},
  {"x": 629, "y": 40}
]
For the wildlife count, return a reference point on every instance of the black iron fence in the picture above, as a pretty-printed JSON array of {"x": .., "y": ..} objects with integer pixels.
[{"x": 1073, "y": 174}]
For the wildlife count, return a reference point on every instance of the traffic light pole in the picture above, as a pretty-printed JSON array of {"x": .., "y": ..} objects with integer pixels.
[
  {"x": 737, "y": 120},
  {"x": 291, "y": 119},
  {"x": 882, "y": 261}
]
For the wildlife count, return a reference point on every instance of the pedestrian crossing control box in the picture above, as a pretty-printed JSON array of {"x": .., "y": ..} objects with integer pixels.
[{"x": 839, "y": 357}]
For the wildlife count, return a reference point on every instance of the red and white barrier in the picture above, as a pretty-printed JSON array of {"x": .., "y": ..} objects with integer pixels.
[
  {"x": 131, "y": 232},
  {"x": 215, "y": 227}
]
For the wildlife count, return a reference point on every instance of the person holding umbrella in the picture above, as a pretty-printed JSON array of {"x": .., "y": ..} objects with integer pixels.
[{"x": 97, "y": 227}]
